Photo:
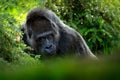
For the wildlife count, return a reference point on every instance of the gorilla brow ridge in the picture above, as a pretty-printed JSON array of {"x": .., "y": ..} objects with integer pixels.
[{"x": 45, "y": 34}]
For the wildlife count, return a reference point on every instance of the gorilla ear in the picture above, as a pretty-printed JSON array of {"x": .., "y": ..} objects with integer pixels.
[{"x": 29, "y": 31}]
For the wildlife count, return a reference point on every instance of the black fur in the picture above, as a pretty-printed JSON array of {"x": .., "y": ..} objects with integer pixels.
[{"x": 68, "y": 39}]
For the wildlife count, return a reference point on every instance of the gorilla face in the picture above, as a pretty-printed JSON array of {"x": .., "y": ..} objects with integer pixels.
[
  {"x": 46, "y": 43},
  {"x": 43, "y": 37}
]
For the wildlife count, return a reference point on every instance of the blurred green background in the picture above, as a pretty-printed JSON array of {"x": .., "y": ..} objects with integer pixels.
[{"x": 98, "y": 21}]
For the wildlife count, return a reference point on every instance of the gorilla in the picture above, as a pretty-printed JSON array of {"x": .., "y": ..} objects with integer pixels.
[{"x": 48, "y": 35}]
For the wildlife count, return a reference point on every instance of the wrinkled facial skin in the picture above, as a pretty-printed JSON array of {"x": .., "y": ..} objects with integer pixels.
[{"x": 46, "y": 43}]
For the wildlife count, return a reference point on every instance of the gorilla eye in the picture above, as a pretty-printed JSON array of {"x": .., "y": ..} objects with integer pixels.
[
  {"x": 41, "y": 39},
  {"x": 50, "y": 37}
]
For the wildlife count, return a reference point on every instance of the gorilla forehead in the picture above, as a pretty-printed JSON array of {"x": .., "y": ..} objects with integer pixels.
[{"x": 42, "y": 26}]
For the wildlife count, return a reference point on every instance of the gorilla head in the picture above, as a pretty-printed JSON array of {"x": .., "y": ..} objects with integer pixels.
[
  {"x": 47, "y": 34},
  {"x": 43, "y": 34}
]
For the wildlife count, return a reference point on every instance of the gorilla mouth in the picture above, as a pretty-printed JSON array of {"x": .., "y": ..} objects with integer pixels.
[
  {"x": 53, "y": 53},
  {"x": 48, "y": 52}
]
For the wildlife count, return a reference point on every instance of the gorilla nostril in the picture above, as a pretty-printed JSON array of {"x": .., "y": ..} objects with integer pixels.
[{"x": 47, "y": 47}]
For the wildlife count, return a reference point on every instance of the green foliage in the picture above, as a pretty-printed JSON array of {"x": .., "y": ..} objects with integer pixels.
[
  {"x": 18, "y": 9},
  {"x": 7, "y": 36},
  {"x": 11, "y": 49},
  {"x": 68, "y": 69},
  {"x": 11, "y": 46},
  {"x": 97, "y": 20}
]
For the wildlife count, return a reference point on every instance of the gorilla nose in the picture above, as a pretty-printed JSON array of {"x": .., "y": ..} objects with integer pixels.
[{"x": 48, "y": 47}]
